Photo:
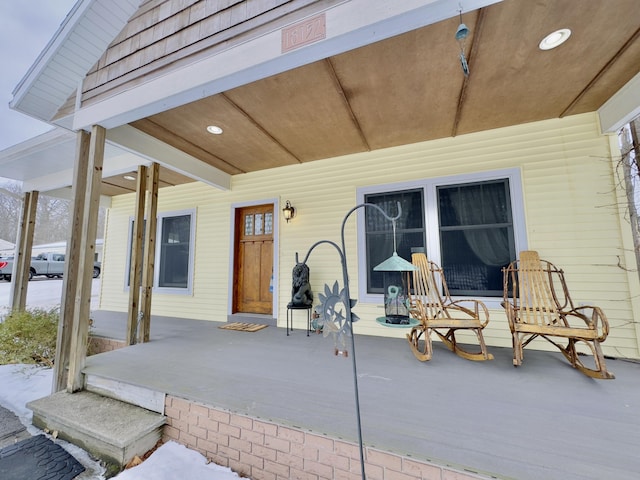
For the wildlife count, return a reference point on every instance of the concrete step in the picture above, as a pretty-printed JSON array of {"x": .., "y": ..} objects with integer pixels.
[
  {"x": 133, "y": 394},
  {"x": 109, "y": 429}
]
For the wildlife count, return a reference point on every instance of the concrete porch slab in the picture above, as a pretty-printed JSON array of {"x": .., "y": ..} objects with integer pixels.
[{"x": 541, "y": 420}]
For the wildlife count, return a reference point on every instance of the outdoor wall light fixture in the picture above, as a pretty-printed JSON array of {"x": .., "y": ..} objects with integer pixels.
[
  {"x": 129, "y": 177},
  {"x": 288, "y": 211}
]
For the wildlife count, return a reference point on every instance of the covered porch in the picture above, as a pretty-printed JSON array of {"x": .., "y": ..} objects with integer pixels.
[{"x": 541, "y": 420}]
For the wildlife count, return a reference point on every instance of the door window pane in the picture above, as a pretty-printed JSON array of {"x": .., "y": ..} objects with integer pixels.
[
  {"x": 268, "y": 223},
  {"x": 248, "y": 225}
]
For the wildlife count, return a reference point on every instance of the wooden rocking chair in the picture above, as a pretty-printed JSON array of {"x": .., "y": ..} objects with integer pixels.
[
  {"x": 537, "y": 303},
  {"x": 437, "y": 311}
]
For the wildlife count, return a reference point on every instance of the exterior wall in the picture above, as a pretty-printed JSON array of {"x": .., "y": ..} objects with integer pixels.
[
  {"x": 164, "y": 34},
  {"x": 260, "y": 449},
  {"x": 574, "y": 218}
]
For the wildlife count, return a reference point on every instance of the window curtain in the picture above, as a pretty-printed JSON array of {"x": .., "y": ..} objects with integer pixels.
[{"x": 483, "y": 205}]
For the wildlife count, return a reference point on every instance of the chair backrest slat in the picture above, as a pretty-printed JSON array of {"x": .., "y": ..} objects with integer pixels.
[
  {"x": 536, "y": 299},
  {"x": 427, "y": 281}
]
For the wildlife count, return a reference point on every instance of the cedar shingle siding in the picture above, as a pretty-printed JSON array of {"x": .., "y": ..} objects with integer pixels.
[{"x": 166, "y": 34}]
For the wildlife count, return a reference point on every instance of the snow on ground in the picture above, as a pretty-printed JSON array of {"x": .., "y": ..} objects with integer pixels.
[
  {"x": 44, "y": 293},
  {"x": 19, "y": 384}
]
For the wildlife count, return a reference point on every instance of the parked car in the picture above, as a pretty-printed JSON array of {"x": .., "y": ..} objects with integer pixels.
[{"x": 50, "y": 265}]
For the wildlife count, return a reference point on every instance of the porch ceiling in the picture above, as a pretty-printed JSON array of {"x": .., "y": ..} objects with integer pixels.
[
  {"x": 410, "y": 88},
  {"x": 118, "y": 184}
]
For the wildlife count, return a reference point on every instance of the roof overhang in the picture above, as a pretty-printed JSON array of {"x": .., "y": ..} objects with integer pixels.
[
  {"x": 77, "y": 45},
  {"x": 351, "y": 24},
  {"x": 623, "y": 107}
]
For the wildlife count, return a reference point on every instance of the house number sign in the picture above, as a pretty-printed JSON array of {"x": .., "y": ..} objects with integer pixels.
[{"x": 303, "y": 33}]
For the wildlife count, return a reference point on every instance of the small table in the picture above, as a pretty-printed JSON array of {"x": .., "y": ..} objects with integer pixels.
[{"x": 290, "y": 310}]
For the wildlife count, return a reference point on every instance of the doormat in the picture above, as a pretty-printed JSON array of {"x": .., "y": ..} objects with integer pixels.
[
  {"x": 243, "y": 327},
  {"x": 38, "y": 457}
]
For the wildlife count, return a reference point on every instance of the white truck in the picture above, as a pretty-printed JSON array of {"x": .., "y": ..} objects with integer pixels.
[{"x": 50, "y": 265}]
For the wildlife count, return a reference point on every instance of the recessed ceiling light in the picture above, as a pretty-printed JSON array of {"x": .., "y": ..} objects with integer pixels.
[
  {"x": 555, "y": 39},
  {"x": 216, "y": 130},
  {"x": 129, "y": 177}
]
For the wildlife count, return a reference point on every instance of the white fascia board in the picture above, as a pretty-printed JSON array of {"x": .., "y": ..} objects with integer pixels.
[
  {"x": 60, "y": 179},
  {"x": 622, "y": 107},
  {"x": 112, "y": 165},
  {"x": 154, "y": 150},
  {"x": 66, "y": 193},
  {"x": 70, "y": 55},
  {"x": 38, "y": 143},
  {"x": 349, "y": 25},
  {"x": 49, "y": 51}
]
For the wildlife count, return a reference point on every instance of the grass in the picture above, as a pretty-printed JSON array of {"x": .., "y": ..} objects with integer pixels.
[{"x": 29, "y": 336}]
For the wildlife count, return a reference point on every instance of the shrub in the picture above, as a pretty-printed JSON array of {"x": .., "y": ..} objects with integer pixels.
[{"x": 29, "y": 336}]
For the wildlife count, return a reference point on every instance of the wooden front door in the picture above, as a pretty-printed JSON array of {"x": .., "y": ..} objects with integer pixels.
[{"x": 253, "y": 266}]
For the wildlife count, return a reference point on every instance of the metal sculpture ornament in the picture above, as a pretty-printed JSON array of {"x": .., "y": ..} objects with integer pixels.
[
  {"x": 335, "y": 310},
  {"x": 332, "y": 318}
]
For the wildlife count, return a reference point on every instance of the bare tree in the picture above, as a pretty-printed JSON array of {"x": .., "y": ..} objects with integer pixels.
[
  {"x": 10, "y": 205},
  {"x": 53, "y": 217},
  {"x": 630, "y": 147}
]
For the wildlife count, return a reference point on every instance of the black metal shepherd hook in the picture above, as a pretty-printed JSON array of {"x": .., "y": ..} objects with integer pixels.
[{"x": 333, "y": 296}]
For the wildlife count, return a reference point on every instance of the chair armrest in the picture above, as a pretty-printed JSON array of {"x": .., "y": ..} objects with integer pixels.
[
  {"x": 510, "y": 310},
  {"x": 416, "y": 310},
  {"x": 593, "y": 317},
  {"x": 473, "y": 308}
]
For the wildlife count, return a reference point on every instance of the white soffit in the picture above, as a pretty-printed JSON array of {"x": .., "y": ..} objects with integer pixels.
[
  {"x": 42, "y": 155},
  {"x": 78, "y": 44},
  {"x": 623, "y": 107},
  {"x": 45, "y": 163},
  {"x": 66, "y": 193},
  {"x": 349, "y": 25}
]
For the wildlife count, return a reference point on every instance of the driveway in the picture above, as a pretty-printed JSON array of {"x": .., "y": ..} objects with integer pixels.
[{"x": 44, "y": 293}]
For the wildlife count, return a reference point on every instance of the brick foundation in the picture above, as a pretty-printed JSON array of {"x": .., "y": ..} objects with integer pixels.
[
  {"x": 267, "y": 451},
  {"x": 101, "y": 344}
]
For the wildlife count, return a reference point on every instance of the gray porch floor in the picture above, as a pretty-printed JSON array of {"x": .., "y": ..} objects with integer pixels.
[{"x": 543, "y": 420}]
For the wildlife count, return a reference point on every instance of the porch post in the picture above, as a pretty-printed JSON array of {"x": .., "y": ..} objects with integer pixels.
[
  {"x": 80, "y": 324},
  {"x": 22, "y": 260},
  {"x": 149, "y": 251},
  {"x": 135, "y": 269},
  {"x": 72, "y": 263}
]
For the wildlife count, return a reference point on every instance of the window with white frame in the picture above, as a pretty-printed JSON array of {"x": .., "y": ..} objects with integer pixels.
[
  {"x": 174, "y": 251},
  {"x": 472, "y": 225}
]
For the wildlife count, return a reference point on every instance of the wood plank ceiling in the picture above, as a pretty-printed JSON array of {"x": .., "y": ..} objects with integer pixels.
[
  {"x": 118, "y": 184},
  {"x": 410, "y": 88}
]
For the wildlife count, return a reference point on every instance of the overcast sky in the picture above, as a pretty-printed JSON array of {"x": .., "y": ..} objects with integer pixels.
[{"x": 26, "y": 26}]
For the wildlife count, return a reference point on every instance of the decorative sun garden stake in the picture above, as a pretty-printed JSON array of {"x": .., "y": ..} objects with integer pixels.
[
  {"x": 333, "y": 320},
  {"x": 335, "y": 314}
]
